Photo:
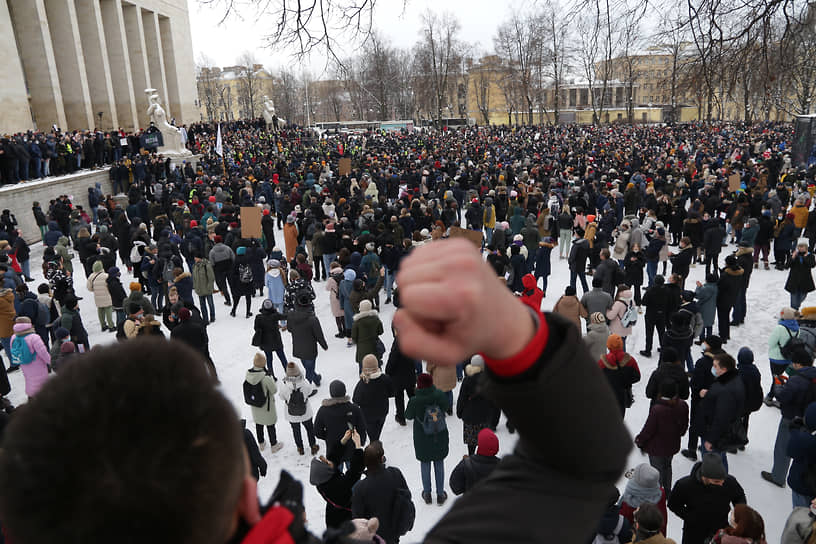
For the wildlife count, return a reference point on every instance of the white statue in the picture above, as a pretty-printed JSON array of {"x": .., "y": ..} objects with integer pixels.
[
  {"x": 173, "y": 144},
  {"x": 270, "y": 116}
]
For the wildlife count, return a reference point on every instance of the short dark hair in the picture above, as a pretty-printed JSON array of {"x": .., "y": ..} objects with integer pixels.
[
  {"x": 149, "y": 446},
  {"x": 649, "y": 518},
  {"x": 597, "y": 281},
  {"x": 725, "y": 361},
  {"x": 373, "y": 454}
]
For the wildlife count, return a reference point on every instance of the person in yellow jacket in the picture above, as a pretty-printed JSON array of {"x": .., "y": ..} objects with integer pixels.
[
  {"x": 489, "y": 219},
  {"x": 800, "y": 214}
]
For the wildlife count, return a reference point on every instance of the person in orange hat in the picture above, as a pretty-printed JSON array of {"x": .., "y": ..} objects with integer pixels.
[{"x": 621, "y": 370}]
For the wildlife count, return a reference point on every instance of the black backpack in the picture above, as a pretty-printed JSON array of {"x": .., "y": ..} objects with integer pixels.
[
  {"x": 254, "y": 394},
  {"x": 244, "y": 273},
  {"x": 402, "y": 509},
  {"x": 297, "y": 403},
  {"x": 795, "y": 349}
]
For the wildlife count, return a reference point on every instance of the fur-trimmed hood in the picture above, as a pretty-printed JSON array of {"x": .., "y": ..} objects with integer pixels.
[
  {"x": 335, "y": 401},
  {"x": 369, "y": 313},
  {"x": 472, "y": 370}
]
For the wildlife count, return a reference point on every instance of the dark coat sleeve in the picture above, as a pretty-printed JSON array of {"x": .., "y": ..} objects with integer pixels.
[
  {"x": 457, "y": 478},
  {"x": 546, "y": 491}
]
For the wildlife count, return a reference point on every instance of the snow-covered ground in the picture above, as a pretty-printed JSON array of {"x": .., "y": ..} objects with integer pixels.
[{"x": 232, "y": 352}]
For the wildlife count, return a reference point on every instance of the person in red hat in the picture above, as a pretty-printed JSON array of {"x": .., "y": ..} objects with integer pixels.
[{"x": 473, "y": 468}]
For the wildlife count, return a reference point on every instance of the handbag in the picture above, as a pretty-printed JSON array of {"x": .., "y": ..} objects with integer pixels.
[{"x": 734, "y": 437}]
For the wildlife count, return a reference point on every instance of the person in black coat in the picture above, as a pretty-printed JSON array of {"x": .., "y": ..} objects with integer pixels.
[
  {"x": 335, "y": 416},
  {"x": 681, "y": 261},
  {"x": 745, "y": 260},
  {"x": 477, "y": 465},
  {"x": 472, "y": 407},
  {"x": 242, "y": 288},
  {"x": 660, "y": 303},
  {"x": 577, "y": 259},
  {"x": 257, "y": 463},
  {"x": 403, "y": 372},
  {"x": 713, "y": 235},
  {"x": 192, "y": 331},
  {"x": 613, "y": 526},
  {"x": 704, "y": 498},
  {"x": 371, "y": 394},
  {"x": 633, "y": 271},
  {"x": 723, "y": 405},
  {"x": 802, "y": 450},
  {"x": 267, "y": 334},
  {"x": 334, "y": 485},
  {"x": 373, "y": 497},
  {"x": 731, "y": 281},
  {"x": 752, "y": 380},
  {"x": 117, "y": 293},
  {"x": 670, "y": 370},
  {"x": 701, "y": 380},
  {"x": 800, "y": 277}
]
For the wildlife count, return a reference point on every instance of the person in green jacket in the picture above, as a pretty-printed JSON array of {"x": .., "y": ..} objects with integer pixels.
[
  {"x": 787, "y": 327},
  {"x": 203, "y": 280},
  {"x": 266, "y": 415},
  {"x": 429, "y": 448},
  {"x": 366, "y": 331},
  {"x": 62, "y": 250}
]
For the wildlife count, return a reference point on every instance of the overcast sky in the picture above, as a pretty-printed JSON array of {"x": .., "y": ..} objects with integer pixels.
[{"x": 226, "y": 42}]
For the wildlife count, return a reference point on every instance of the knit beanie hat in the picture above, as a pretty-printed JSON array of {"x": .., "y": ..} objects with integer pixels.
[
  {"x": 488, "y": 443},
  {"x": 669, "y": 355},
  {"x": 184, "y": 314},
  {"x": 240, "y": 251},
  {"x": 646, "y": 476},
  {"x": 712, "y": 467},
  {"x": 337, "y": 389},
  {"x": 292, "y": 370},
  {"x": 597, "y": 317},
  {"x": 61, "y": 333},
  {"x": 370, "y": 364},
  {"x": 259, "y": 361},
  {"x": 803, "y": 242},
  {"x": 135, "y": 286},
  {"x": 67, "y": 347},
  {"x": 267, "y": 305},
  {"x": 713, "y": 342},
  {"x": 614, "y": 342},
  {"x": 424, "y": 381},
  {"x": 365, "y": 305},
  {"x": 788, "y": 313}
]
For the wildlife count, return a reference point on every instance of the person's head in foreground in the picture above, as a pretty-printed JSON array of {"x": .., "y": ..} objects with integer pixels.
[{"x": 131, "y": 443}]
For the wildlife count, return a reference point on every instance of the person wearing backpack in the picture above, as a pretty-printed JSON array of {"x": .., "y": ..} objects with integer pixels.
[
  {"x": 621, "y": 370},
  {"x": 295, "y": 392},
  {"x": 371, "y": 394},
  {"x": 97, "y": 283},
  {"x": 477, "y": 465},
  {"x": 203, "y": 282},
  {"x": 787, "y": 327},
  {"x": 613, "y": 528},
  {"x": 752, "y": 380},
  {"x": 623, "y": 314},
  {"x": 383, "y": 494},
  {"x": 29, "y": 352},
  {"x": 72, "y": 320},
  {"x": 263, "y": 389},
  {"x": 664, "y": 428},
  {"x": 242, "y": 281},
  {"x": 28, "y": 305},
  {"x": 802, "y": 451},
  {"x": 794, "y": 396},
  {"x": 427, "y": 408}
]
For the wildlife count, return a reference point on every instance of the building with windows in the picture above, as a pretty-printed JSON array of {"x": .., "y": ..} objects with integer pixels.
[
  {"x": 81, "y": 64},
  {"x": 232, "y": 92}
]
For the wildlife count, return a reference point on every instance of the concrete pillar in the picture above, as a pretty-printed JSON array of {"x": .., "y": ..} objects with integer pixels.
[
  {"x": 13, "y": 94},
  {"x": 94, "y": 45},
  {"x": 155, "y": 60},
  {"x": 138, "y": 60},
  {"x": 69, "y": 57},
  {"x": 170, "y": 68},
  {"x": 119, "y": 62},
  {"x": 38, "y": 62}
]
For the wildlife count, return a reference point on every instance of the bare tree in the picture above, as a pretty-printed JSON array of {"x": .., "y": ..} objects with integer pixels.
[
  {"x": 519, "y": 41},
  {"x": 250, "y": 86},
  {"x": 672, "y": 40},
  {"x": 630, "y": 43},
  {"x": 210, "y": 86},
  {"x": 482, "y": 83},
  {"x": 439, "y": 57},
  {"x": 558, "y": 55}
]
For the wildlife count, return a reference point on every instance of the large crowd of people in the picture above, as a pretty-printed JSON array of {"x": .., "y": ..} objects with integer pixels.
[{"x": 458, "y": 229}]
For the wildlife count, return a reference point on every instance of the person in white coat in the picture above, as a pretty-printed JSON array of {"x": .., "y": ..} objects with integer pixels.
[
  {"x": 97, "y": 283},
  {"x": 266, "y": 415},
  {"x": 615, "y": 314},
  {"x": 298, "y": 413}
]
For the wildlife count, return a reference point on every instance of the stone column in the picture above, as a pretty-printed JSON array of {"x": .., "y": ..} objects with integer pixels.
[
  {"x": 94, "y": 45},
  {"x": 70, "y": 60},
  {"x": 170, "y": 68},
  {"x": 138, "y": 60},
  {"x": 13, "y": 94},
  {"x": 155, "y": 59},
  {"x": 38, "y": 61},
  {"x": 113, "y": 23}
]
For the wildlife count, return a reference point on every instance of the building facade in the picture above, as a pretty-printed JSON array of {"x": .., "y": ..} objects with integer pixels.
[
  {"x": 81, "y": 64},
  {"x": 232, "y": 92}
]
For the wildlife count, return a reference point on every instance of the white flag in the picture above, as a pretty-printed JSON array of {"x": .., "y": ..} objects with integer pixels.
[{"x": 218, "y": 148}]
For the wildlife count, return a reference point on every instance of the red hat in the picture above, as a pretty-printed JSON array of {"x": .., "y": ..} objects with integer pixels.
[
  {"x": 180, "y": 203},
  {"x": 184, "y": 314},
  {"x": 233, "y": 225},
  {"x": 475, "y": 201},
  {"x": 266, "y": 212},
  {"x": 488, "y": 443},
  {"x": 211, "y": 199},
  {"x": 193, "y": 223},
  {"x": 790, "y": 216},
  {"x": 424, "y": 381},
  {"x": 218, "y": 239}
]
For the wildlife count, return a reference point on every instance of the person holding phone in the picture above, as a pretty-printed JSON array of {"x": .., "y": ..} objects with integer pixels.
[{"x": 800, "y": 277}]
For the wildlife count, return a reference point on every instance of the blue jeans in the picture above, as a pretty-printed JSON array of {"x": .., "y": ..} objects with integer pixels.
[
  {"x": 327, "y": 260},
  {"x": 722, "y": 454},
  {"x": 781, "y": 462},
  {"x": 439, "y": 473},
  {"x": 797, "y": 298},
  {"x": 281, "y": 356},
  {"x": 800, "y": 500},
  {"x": 488, "y": 235},
  {"x": 579, "y": 274},
  {"x": 651, "y": 271},
  {"x": 209, "y": 300},
  {"x": 389, "y": 282},
  {"x": 689, "y": 361},
  {"x": 309, "y": 365},
  {"x": 26, "y": 266},
  {"x": 120, "y": 317}
]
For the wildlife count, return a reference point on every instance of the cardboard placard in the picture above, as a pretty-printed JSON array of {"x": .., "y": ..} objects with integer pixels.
[
  {"x": 472, "y": 235},
  {"x": 345, "y": 166},
  {"x": 251, "y": 222},
  {"x": 734, "y": 183}
]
